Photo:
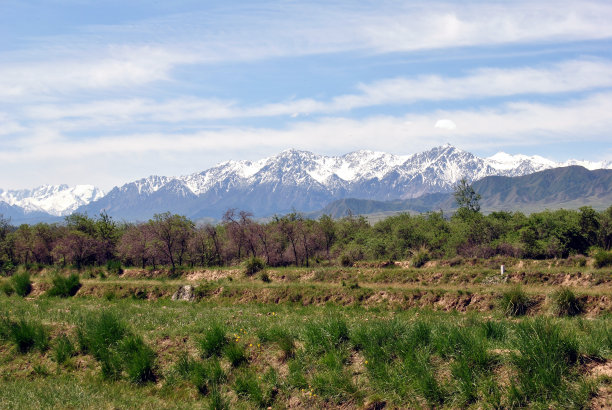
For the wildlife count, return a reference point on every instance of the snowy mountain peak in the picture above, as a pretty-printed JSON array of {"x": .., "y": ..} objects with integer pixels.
[{"x": 57, "y": 200}]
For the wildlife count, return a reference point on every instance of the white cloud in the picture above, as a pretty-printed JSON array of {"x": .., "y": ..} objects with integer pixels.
[
  {"x": 513, "y": 124},
  {"x": 114, "y": 67},
  {"x": 142, "y": 52},
  {"x": 445, "y": 124},
  {"x": 568, "y": 76}
]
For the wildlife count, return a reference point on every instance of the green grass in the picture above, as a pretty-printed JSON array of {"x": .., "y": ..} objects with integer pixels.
[
  {"x": 63, "y": 349},
  {"x": 565, "y": 303},
  {"x": 213, "y": 341},
  {"x": 28, "y": 335},
  {"x": 65, "y": 286},
  {"x": 220, "y": 353},
  {"x": 22, "y": 284},
  {"x": 515, "y": 302}
]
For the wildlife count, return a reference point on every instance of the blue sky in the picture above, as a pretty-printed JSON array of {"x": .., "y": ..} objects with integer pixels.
[{"x": 105, "y": 92}]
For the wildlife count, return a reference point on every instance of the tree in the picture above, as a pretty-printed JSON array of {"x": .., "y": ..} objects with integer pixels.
[
  {"x": 172, "y": 233},
  {"x": 467, "y": 199}
]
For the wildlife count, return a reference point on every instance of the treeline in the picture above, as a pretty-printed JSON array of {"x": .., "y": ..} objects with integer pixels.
[{"x": 174, "y": 241}]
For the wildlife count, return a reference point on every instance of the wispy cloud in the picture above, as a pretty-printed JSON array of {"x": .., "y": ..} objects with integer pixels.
[
  {"x": 516, "y": 123},
  {"x": 569, "y": 76},
  {"x": 113, "y": 67}
]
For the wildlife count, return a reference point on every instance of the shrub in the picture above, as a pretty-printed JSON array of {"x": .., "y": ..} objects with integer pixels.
[
  {"x": 29, "y": 335},
  {"x": 22, "y": 284},
  {"x": 253, "y": 265},
  {"x": 515, "y": 302},
  {"x": 565, "y": 303},
  {"x": 114, "y": 266},
  {"x": 214, "y": 341},
  {"x": 65, "y": 286},
  {"x": 265, "y": 277},
  {"x": 603, "y": 259},
  {"x": 420, "y": 258},
  {"x": 62, "y": 349}
]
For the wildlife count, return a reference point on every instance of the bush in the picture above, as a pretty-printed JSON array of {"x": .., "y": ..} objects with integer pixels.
[
  {"x": 515, "y": 302},
  {"x": 22, "y": 284},
  {"x": 253, "y": 265},
  {"x": 265, "y": 277},
  {"x": 29, "y": 335},
  {"x": 420, "y": 258},
  {"x": 113, "y": 266},
  {"x": 603, "y": 259},
  {"x": 62, "y": 349},
  {"x": 565, "y": 303},
  {"x": 65, "y": 286}
]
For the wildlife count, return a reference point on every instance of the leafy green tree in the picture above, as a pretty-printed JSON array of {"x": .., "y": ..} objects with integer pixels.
[{"x": 467, "y": 199}]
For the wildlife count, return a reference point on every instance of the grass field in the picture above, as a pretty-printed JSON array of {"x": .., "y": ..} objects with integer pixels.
[{"x": 372, "y": 336}]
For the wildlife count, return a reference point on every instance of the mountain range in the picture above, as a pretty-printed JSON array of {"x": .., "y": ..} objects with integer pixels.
[
  {"x": 567, "y": 187},
  {"x": 291, "y": 180}
]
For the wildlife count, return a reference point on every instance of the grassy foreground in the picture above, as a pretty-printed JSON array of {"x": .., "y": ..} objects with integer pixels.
[{"x": 121, "y": 342}]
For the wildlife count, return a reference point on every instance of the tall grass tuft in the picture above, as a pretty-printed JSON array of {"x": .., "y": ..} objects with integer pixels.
[
  {"x": 6, "y": 288},
  {"x": 139, "y": 359},
  {"x": 22, "y": 284},
  {"x": 213, "y": 340},
  {"x": 565, "y": 303},
  {"x": 235, "y": 354},
  {"x": 543, "y": 362},
  {"x": 64, "y": 286},
  {"x": 515, "y": 302},
  {"x": 116, "y": 348},
  {"x": 326, "y": 334},
  {"x": 493, "y": 330},
  {"x": 62, "y": 349},
  {"x": 28, "y": 335}
]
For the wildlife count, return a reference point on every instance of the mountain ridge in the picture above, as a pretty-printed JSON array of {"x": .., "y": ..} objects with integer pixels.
[
  {"x": 566, "y": 187},
  {"x": 290, "y": 180}
]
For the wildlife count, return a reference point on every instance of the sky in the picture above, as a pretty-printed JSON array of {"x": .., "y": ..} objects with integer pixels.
[{"x": 106, "y": 92}]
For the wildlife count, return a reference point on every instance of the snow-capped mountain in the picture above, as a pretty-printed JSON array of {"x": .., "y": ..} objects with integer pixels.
[
  {"x": 57, "y": 200},
  {"x": 304, "y": 181}
]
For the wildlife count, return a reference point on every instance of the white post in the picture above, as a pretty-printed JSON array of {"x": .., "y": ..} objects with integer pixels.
[{"x": 502, "y": 270}]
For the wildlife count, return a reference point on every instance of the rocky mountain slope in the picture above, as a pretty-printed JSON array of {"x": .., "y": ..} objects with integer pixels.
[
  {"x": 301, "y": 180},
  {"x": 291, "y": 180},
  {"x": 567, "y": 187}
]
